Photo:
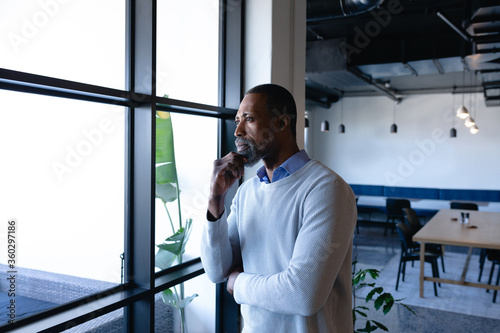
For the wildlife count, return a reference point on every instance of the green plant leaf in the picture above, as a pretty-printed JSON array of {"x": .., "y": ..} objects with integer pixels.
[
  {"x": 165, "y": 156},
  {"x": 169, "y": 297},
  {"x": 385, "y": 297},
  {"x": 363, "y": 307},
  {"x": 165, "y": 173},
  {"x": 166, "y": 192},
  {"x": 368, "y": 327},
  {"x": 164, "y": 259},
  {"x": 378, "y": 290},
  {"x": 388, "y": 306},
  {"x": 361, "y": 313},
  {"x": 373, "y": 273},
  {"x": 172, "y": 300},
  {"x": 176, "y": 244},
  {"x": 408, "y": 308},
  {"x": 183, "y": 303},
  {"x": 380, "y": 325}
]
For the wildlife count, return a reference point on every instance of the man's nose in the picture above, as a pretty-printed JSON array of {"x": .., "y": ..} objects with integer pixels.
[{"x": 240, "y": 130}]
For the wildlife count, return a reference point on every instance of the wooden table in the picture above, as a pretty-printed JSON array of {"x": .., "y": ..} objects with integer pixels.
[{"x": 445, "y": 228}]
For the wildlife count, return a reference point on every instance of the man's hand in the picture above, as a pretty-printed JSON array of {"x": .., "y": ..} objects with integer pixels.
[
  {"x": 231, "y": 279},
  {"x": 225, "y": 173}
]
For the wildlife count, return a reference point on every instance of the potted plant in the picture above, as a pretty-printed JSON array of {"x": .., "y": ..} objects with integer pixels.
[
  {"x": 382, "y": 300},
  {"x": 168, "y": 191}
]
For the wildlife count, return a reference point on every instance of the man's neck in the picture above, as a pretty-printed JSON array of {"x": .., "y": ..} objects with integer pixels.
[{"x": 272, "y": 164}]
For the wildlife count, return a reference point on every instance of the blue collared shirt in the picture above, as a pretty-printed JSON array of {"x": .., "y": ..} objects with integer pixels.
[{"x": 294, "y": 163}]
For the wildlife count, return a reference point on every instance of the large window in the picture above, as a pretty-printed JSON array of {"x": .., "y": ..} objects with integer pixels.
[
  {"x": 82, "y": 41},
  {"x": 188, "y": 45},
  {"x": 82, "y": 85}
]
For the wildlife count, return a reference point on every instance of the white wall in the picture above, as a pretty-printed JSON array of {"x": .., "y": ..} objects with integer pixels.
[
  {"x": 275, "y": 44},
  {"x": 421, "y": 154}
]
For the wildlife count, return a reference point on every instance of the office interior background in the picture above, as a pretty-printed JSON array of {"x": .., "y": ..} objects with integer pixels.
[{"x": 81, "y": 83}]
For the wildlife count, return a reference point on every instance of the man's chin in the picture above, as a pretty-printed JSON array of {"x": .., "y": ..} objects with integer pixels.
[
  {"x": 251, "y": 159},
  {"x": 251, "y": 163}
]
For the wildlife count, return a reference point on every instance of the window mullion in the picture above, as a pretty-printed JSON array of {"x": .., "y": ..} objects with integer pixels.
[{"x": 141, "y": 131}]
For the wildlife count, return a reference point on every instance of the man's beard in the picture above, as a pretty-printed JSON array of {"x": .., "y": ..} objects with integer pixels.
[{"x": 254, "y": 153}]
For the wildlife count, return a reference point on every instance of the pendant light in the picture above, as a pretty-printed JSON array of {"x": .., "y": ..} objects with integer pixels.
[
  {"x": 394, "y": 127},
  {"x": 474, "y": 129},
  {"x": 341, "y": 126},
  {"x": 325, "y": 126},
  {"x": 462, "y": 111},
  {"x": 469, "y": 122},
  {"x": 453, "y": 130}
]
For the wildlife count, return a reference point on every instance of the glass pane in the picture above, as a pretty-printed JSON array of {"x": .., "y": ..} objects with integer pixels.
[
  {"x": 73, "y": 40},
  {"x": 195, "y": 143},
  {"x": 199, "y": 314},
  {"x": 187, "y": 42},
  {"x": 109, "y": 323},
  {"x": 62, "y": 183}
]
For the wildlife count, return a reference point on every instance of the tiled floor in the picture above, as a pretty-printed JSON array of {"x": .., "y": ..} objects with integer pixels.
[{"x": 455, "y": 309}]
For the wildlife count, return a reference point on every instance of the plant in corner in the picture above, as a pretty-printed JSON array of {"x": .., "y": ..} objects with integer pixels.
[
  {"x": 381, "y": 299},
  {"x": 167, "y": 190}
]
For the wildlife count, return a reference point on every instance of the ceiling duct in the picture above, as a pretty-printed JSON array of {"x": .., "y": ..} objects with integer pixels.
[
  {"x": 320, "y": 95},
  {"x": 327, "y": 66},
  {"x": 320, "y": 10}
]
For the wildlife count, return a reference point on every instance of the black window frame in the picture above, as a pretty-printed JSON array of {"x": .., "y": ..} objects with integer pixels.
[{"x": 141, "y": 283}]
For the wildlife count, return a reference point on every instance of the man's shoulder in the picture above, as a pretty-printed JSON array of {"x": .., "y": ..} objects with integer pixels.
[
  {"x": 316, "y": 168},
  {"x": 323, "y": 175}
]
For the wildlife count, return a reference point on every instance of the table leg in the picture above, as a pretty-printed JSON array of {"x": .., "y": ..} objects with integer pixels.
[
  {"x": 466, "y": 266},
  {"x": 422, "y": 267}
]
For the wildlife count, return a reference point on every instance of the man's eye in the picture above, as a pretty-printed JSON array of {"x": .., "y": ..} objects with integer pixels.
[
  {"x": 236, "y": 122},
  {"x": 248, "y": 119}
]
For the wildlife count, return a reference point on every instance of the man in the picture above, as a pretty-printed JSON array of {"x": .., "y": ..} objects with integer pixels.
[{"x": 286, "y": 246}]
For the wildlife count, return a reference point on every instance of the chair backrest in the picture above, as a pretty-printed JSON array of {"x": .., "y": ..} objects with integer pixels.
[
  {"x": 405, "y": 235},
  {"x": 396, "y": 206},
  {"x": 463, "y": 205},
  {"x": 412, "y": 219}
]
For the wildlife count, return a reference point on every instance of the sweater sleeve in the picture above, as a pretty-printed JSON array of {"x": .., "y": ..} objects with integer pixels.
[
  {"x": 329, "y": 217},
  {"x": 220, "y": 247}
]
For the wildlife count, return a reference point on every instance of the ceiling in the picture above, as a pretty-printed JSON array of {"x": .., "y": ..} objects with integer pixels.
[{"x": 397, "y": 48}]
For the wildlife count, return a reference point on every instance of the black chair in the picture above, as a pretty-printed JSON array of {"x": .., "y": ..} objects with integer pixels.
[
  {"x": 463, "y": 205},
  {"x": 410, "y": 254},
  {"x": 395, "y": 212},
  {"x": 494, "y": 257},
  {"x": 412, "y": 219},
  {"x": 413, "y": 222}
]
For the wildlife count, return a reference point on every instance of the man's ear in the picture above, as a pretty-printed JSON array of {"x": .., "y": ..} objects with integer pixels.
[{"x": 283, "y": 122}]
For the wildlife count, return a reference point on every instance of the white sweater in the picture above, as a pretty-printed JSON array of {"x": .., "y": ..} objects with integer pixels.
[{"x": 294, "y": 238}]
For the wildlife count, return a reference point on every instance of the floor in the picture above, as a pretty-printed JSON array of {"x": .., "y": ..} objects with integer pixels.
[{"x": 455, "y": 309}]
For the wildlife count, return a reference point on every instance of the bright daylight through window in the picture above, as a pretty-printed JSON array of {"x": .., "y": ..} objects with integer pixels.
[{"x": 64, "y": 173}]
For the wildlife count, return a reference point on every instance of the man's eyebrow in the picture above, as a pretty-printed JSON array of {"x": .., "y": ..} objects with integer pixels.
[{"x": 243, "y": 115}]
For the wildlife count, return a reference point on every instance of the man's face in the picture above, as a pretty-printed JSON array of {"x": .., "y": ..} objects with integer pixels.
[{"x": 254, "y": 137}]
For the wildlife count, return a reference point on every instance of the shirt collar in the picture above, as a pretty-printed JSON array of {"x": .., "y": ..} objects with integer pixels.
[{"x": 291, "y": 165}]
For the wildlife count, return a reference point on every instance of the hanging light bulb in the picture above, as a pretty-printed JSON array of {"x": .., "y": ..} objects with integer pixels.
[
  {"x": 341, "y": 126},
  {"x": 462, "y": 111},
  {"x": 341, "y": 129},
  {"x": 469, "y": 122},
  {"x": 453, "y": 130},
  {"x": 394, "y": 127},
  {"x": 474, "y": 129},
  {"x": 325, "y": 126}
]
